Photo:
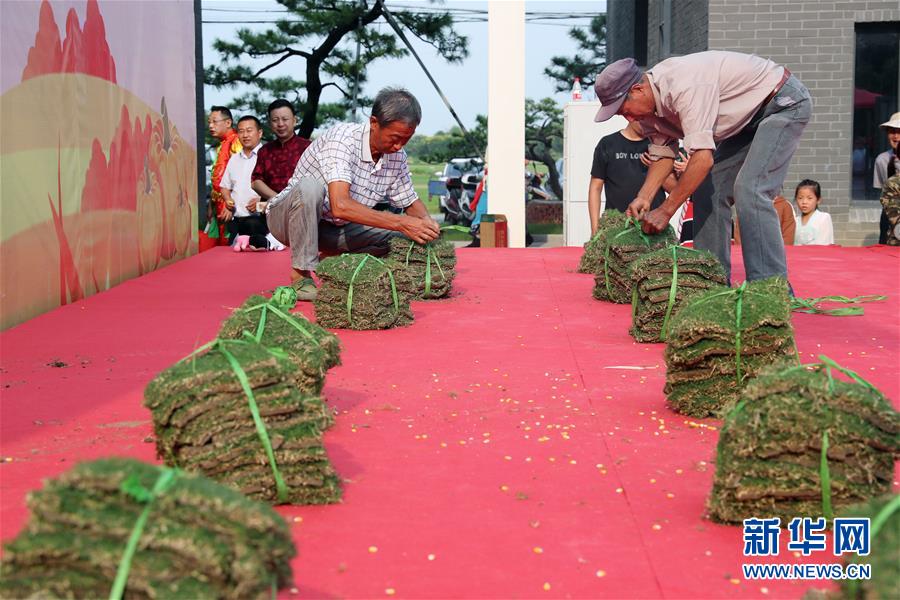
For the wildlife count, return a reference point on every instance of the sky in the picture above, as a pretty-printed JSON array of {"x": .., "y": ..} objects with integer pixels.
[{"x": 464, "y": 84}]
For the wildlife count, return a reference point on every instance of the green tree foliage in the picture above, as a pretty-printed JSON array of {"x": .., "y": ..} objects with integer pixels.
[
  {"x": 589, "y": 61},
  {"x": 543, "y": 140},
  {"x": 444, "y": 145},
  {"x": 543, "y": 136},
  {"x": 322, "y": 35}
]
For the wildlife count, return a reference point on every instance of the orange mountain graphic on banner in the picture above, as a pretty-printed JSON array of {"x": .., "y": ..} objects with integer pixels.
[
  {"x": 113, "y": 184},
  {"x": 85, "y": 50}
]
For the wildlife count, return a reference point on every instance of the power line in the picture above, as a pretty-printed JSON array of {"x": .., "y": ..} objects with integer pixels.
[{"x": 423, "y": 9}]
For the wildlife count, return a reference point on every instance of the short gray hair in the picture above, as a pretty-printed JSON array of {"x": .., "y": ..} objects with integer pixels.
[{"x": 396, "y": 104}]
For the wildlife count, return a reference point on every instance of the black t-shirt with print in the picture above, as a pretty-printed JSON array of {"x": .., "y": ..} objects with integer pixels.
[{"x": 617, "y": 161}]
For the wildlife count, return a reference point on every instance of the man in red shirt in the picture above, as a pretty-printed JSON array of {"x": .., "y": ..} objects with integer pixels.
[
  {"x": 221, "y": 127},
  {"x": 277, "y": 159}
]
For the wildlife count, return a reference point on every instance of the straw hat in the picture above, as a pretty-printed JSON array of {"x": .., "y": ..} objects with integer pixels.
[{"x": 894, "y": 122}]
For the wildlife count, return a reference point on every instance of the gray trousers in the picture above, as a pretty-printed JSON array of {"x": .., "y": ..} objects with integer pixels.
[
  {"x": 297, "y": 222},
  {"x": 749, "y": 171}
]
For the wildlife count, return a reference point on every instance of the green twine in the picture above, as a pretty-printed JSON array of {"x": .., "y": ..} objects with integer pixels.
[
  {"x": 241, "y": 375},
  {"x": 630, "y": 224},
  {"x": 353, "y": 279},
  {"x": 825, "y": 478},
  {"x": 272, "y": 306},
  {"x": 285, "y": 297},
  {"x": 739, "y": 305},
  {"x": 261, "y": 430},
  {"x": 884, "y": 514},
  {"x": 812, "y": 305},
  {"x": 429, "y": 254},
  {"x": 829, "y": 365},
  {"x": 664, "y": 332},
  {"x": 738, "y": 292},
  {"x": 877, "y": 523},
  {"x": 458, "y": 228},
  {"x": 133, "y": 488}
]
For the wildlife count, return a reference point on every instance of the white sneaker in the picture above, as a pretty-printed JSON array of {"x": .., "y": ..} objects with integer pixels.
[{"x": 274, "y": 244}]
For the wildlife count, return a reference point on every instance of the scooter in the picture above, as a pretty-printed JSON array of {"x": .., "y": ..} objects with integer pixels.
[
  {"x": 457, "y": 204},
  {"x": 534, "y": 187}
]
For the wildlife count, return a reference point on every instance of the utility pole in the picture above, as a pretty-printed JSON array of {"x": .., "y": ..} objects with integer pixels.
[{"x": 363, "y": 6}]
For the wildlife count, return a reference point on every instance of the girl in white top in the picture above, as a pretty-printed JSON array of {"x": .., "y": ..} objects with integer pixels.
[{"x": 814, "y": 227}]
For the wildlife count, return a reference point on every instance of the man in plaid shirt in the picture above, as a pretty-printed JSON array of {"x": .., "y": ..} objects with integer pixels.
[{"x": 328, "y": 203}]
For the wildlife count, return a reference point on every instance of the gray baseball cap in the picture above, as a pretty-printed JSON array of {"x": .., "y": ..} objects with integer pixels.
[{"x": 612, "y": 86}]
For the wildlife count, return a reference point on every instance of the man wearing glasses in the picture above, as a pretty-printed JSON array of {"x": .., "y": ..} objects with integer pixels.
[
  {"x": 220, "y": 127},
  {"x": 741, "y": 118},
  {"x": 277, "y": 159}
]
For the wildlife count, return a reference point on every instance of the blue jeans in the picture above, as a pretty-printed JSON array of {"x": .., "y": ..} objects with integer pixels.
[{"x": 749, "y": 171}]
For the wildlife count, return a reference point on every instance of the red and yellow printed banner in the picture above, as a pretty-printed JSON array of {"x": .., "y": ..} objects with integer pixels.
[{"x": 98, "y": 172}]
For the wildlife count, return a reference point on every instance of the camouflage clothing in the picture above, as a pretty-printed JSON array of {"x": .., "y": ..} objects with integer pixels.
[{"x": 890, "y": 200}]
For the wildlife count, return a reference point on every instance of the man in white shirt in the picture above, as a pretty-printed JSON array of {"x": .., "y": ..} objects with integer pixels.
[
  {"x": 329, "y": 202},
  {"x": 248, "y": 227}
]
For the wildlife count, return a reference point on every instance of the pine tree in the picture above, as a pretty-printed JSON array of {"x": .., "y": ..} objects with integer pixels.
[
  {"x": 324, "y": 35},
  {"x": 589, "y": 61}
]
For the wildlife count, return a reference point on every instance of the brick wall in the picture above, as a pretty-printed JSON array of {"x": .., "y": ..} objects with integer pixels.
[
  {"x": 619, "y": 30},
  {"x": 816, "y": 40},
  {"x": 690, "y": 26},
  {"x": 654, "y": 51}
]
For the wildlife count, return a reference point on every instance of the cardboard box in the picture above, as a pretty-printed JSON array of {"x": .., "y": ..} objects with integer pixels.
[{"x": 493, "y": 231}]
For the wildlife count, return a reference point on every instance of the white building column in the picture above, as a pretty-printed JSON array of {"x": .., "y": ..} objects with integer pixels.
[{"x": 506, "y": 115}]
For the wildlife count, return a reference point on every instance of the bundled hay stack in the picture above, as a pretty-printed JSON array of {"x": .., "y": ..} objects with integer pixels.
[
  {"x": 360, "y": 291},
  {"x": 663, "y": 281},
  {"x": 802, "y": 442},
  {"x": 624, "y": 245},
  {"x": 720, "y": 339},
  {"x": 591, "y": 260},
  {"x": 884, "y": 544},
  {"x": 198, "y": 539},
  {"x": 234, "y": 414},
  {"x": 312, "y": 348},
  {"x": 430, "y": 268}
]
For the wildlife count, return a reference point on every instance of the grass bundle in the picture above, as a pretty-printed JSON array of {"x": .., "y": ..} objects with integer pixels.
[
  {"x": 122, "y": 528},
  {"x": 234, "y": 413},
  {"x": 663, "y": 281},
  {"x": 430, "y": 268},
  {"x": 884, "y": 544},
  {"x": 592, "y": 259},
  {"x": 802, "y": 443},
  {"x": 312, "y": 348},
  {"x": 624, "y": 245},
  {"x": 360, "y": 291},
  {"x": 722, "y": 338}
]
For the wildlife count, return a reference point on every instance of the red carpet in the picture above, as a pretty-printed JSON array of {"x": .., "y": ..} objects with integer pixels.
[{"x": 513, "y": 442}]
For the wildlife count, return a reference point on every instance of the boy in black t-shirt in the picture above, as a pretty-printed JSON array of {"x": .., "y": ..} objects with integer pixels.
[{"x": 618, "y": 169}]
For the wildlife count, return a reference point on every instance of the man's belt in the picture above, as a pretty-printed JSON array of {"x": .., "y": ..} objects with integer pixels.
[{"x": 784, "y": 77}]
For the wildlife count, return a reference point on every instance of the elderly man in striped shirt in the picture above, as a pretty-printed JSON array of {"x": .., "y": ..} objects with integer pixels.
[{"x": 328, "y": 203}]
